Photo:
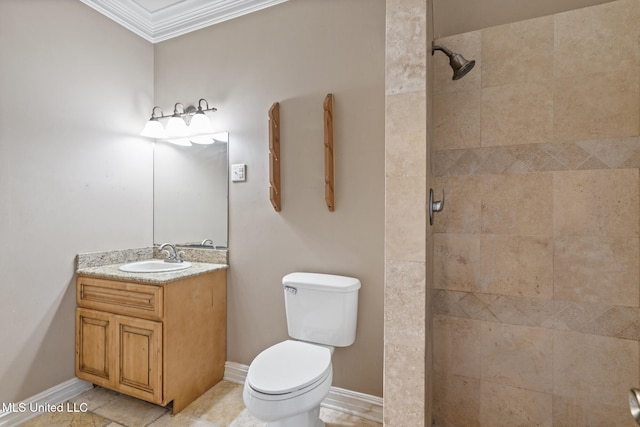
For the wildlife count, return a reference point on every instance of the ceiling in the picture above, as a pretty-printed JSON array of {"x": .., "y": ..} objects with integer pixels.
[
  {"x": 460, "y": 16},
  {"x": 158, "y": 20}
]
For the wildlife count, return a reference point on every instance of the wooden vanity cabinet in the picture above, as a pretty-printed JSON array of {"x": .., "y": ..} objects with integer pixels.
[{"x": 156, "y": 342}]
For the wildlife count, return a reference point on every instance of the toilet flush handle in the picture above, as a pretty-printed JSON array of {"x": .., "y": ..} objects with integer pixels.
[{"x": 291, "y": 290}]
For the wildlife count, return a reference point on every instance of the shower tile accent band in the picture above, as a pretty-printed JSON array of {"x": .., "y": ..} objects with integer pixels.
[
  {"x": 588, "y": 318},
  {"x": 613, "y": 153}
]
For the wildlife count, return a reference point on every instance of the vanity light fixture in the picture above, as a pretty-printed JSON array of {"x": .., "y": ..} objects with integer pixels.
[{"x": 185, "y": 125}]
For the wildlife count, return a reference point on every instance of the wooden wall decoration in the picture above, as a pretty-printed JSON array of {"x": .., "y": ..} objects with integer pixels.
[
  {"x": 329, "y": 188},
  {"x": 274, "y": 156}
]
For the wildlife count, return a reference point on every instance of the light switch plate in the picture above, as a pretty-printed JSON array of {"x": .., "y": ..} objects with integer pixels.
[{"x": 238, "y": 172}]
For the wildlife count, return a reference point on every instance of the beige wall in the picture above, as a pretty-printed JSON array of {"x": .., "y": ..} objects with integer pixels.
[
  {"x": 65, "y": 181},
  {"x": 537, "y": 253},
  {"x": 74, "y": 87},
  {"x": 295, "y": 53}
]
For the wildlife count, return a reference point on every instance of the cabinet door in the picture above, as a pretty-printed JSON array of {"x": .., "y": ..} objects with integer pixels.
[
  {"x": 95, "y": 349},
  {"x": 139, "y": 358}
]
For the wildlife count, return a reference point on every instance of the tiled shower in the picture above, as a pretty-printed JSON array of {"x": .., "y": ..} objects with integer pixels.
[{"x": 536, "y": 256}]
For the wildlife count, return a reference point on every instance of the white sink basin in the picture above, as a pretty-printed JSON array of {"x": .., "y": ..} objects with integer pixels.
[{"x": 153, "y": 266}]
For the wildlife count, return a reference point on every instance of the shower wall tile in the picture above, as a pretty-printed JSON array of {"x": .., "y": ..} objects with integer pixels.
[
  {"x": 590, "y": 154},
  {"x": 502, "y": 405},
  {"x": 616, "y": 321},
  {"x": 456, "y": 401},
  {"x": 614, "y": 153},
  {"x": 518, "y": 53},
  {"x": 586, "y": 317},
  {"x": 601, "y": 39},
  {"x": 469, "y": 46},
  {"x": 404, "y": 305},
  {"x": 569, "y": 411},
  {"x": 456, "y": 344},
  {"x": 405, "y": 134},
  {"x": 463, "y": 199},
  {"x": 405, "y": 226},
  {"x": 596, "y": 203},
  {"x": 517, "y": 356},
  {"x": 456, "y": 120},
  {"x": 406, "y": 50},
  {"x": 565, "y": 157},
  {"x": 530, "y": 122},
  {"x": 407, "y": 355},
  {"x": 594, "y": 368},
  {"x": 516, "y": 265},
  {"x": 404, "y": 385},
  {"x": 470, "y": 161},
  {"x": 517, "y": 204},
  {"x": 456, "y": 264},
  {"x": 597, "y": 269},
  {"x": 494, "y": 264},
  {"x": 599, "y": 105}
]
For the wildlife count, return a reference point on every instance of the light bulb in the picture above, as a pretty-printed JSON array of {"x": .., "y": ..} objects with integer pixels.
[
  {"x": 153, "y": 129},
  {"x": 200, "y": 123},
  {"x": 176, "y": 127}
]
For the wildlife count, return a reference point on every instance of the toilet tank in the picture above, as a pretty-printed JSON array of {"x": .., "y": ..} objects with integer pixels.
[{"x": 321, "y": 308}]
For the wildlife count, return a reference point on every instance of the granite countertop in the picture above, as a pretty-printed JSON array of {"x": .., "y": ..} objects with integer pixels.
[
  {"x": 105, "y": 264},
  {"x": 111, "y": 272}
]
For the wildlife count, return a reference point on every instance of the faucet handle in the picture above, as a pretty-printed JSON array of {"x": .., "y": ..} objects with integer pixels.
[{"x": 179, "y": 256}]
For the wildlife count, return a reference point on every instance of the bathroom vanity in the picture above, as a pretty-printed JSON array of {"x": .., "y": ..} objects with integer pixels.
[{"x": 160, "y": 337}]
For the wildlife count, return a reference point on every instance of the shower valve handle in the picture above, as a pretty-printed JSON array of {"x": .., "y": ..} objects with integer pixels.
[{"x": 434, "y": 205}]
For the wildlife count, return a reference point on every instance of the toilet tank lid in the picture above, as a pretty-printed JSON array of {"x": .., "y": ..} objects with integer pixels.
[{"x": 325, "y": 282}]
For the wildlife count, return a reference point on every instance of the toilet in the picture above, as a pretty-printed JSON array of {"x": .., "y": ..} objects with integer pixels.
[{"x": 287, "y": 382}]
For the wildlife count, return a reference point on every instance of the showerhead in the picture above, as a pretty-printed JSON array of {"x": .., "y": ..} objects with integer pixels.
[{"x": 457, "y": 62}]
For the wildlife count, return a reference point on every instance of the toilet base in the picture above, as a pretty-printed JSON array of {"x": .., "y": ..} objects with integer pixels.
[{"x": 306, "y": 419}]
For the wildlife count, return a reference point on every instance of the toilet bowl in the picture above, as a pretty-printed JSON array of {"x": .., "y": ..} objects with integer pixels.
[{"x": 287, "y": 382}]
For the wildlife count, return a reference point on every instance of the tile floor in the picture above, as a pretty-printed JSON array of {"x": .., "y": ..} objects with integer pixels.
[{"x": 220, "y": 406}]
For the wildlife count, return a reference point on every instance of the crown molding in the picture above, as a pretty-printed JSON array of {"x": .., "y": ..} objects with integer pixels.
[{"x": 175, "y": 20}]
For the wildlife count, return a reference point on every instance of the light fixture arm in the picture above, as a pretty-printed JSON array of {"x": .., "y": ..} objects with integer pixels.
[
  {"x": 175, "y": 110},
  {"x": 189, "y": 111},
  {"x": 153, "y": 113},
  {"x": 206, "y": 104},
  {"x": 185, "y": 122}
]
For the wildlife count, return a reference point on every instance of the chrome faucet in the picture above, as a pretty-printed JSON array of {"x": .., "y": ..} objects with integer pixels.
[
  {"x": 205, "y": 241},
  {"x": 176, "y": 256}
]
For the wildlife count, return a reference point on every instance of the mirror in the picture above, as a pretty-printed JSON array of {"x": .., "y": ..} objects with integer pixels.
[{"x": 190, "y": 193}]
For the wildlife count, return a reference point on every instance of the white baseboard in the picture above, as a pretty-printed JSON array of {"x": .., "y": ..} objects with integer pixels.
[
  {"x": 15, "y": 413},
  {"x": 354, "y": 403}
]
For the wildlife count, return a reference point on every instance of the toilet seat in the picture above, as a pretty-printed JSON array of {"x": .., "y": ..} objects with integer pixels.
[{"x": 289, "y": 367}]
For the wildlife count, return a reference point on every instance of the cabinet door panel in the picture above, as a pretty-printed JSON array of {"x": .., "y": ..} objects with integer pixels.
[
  {"x": 94, "y": 346},
  {"x": 140, "y": 361}
]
